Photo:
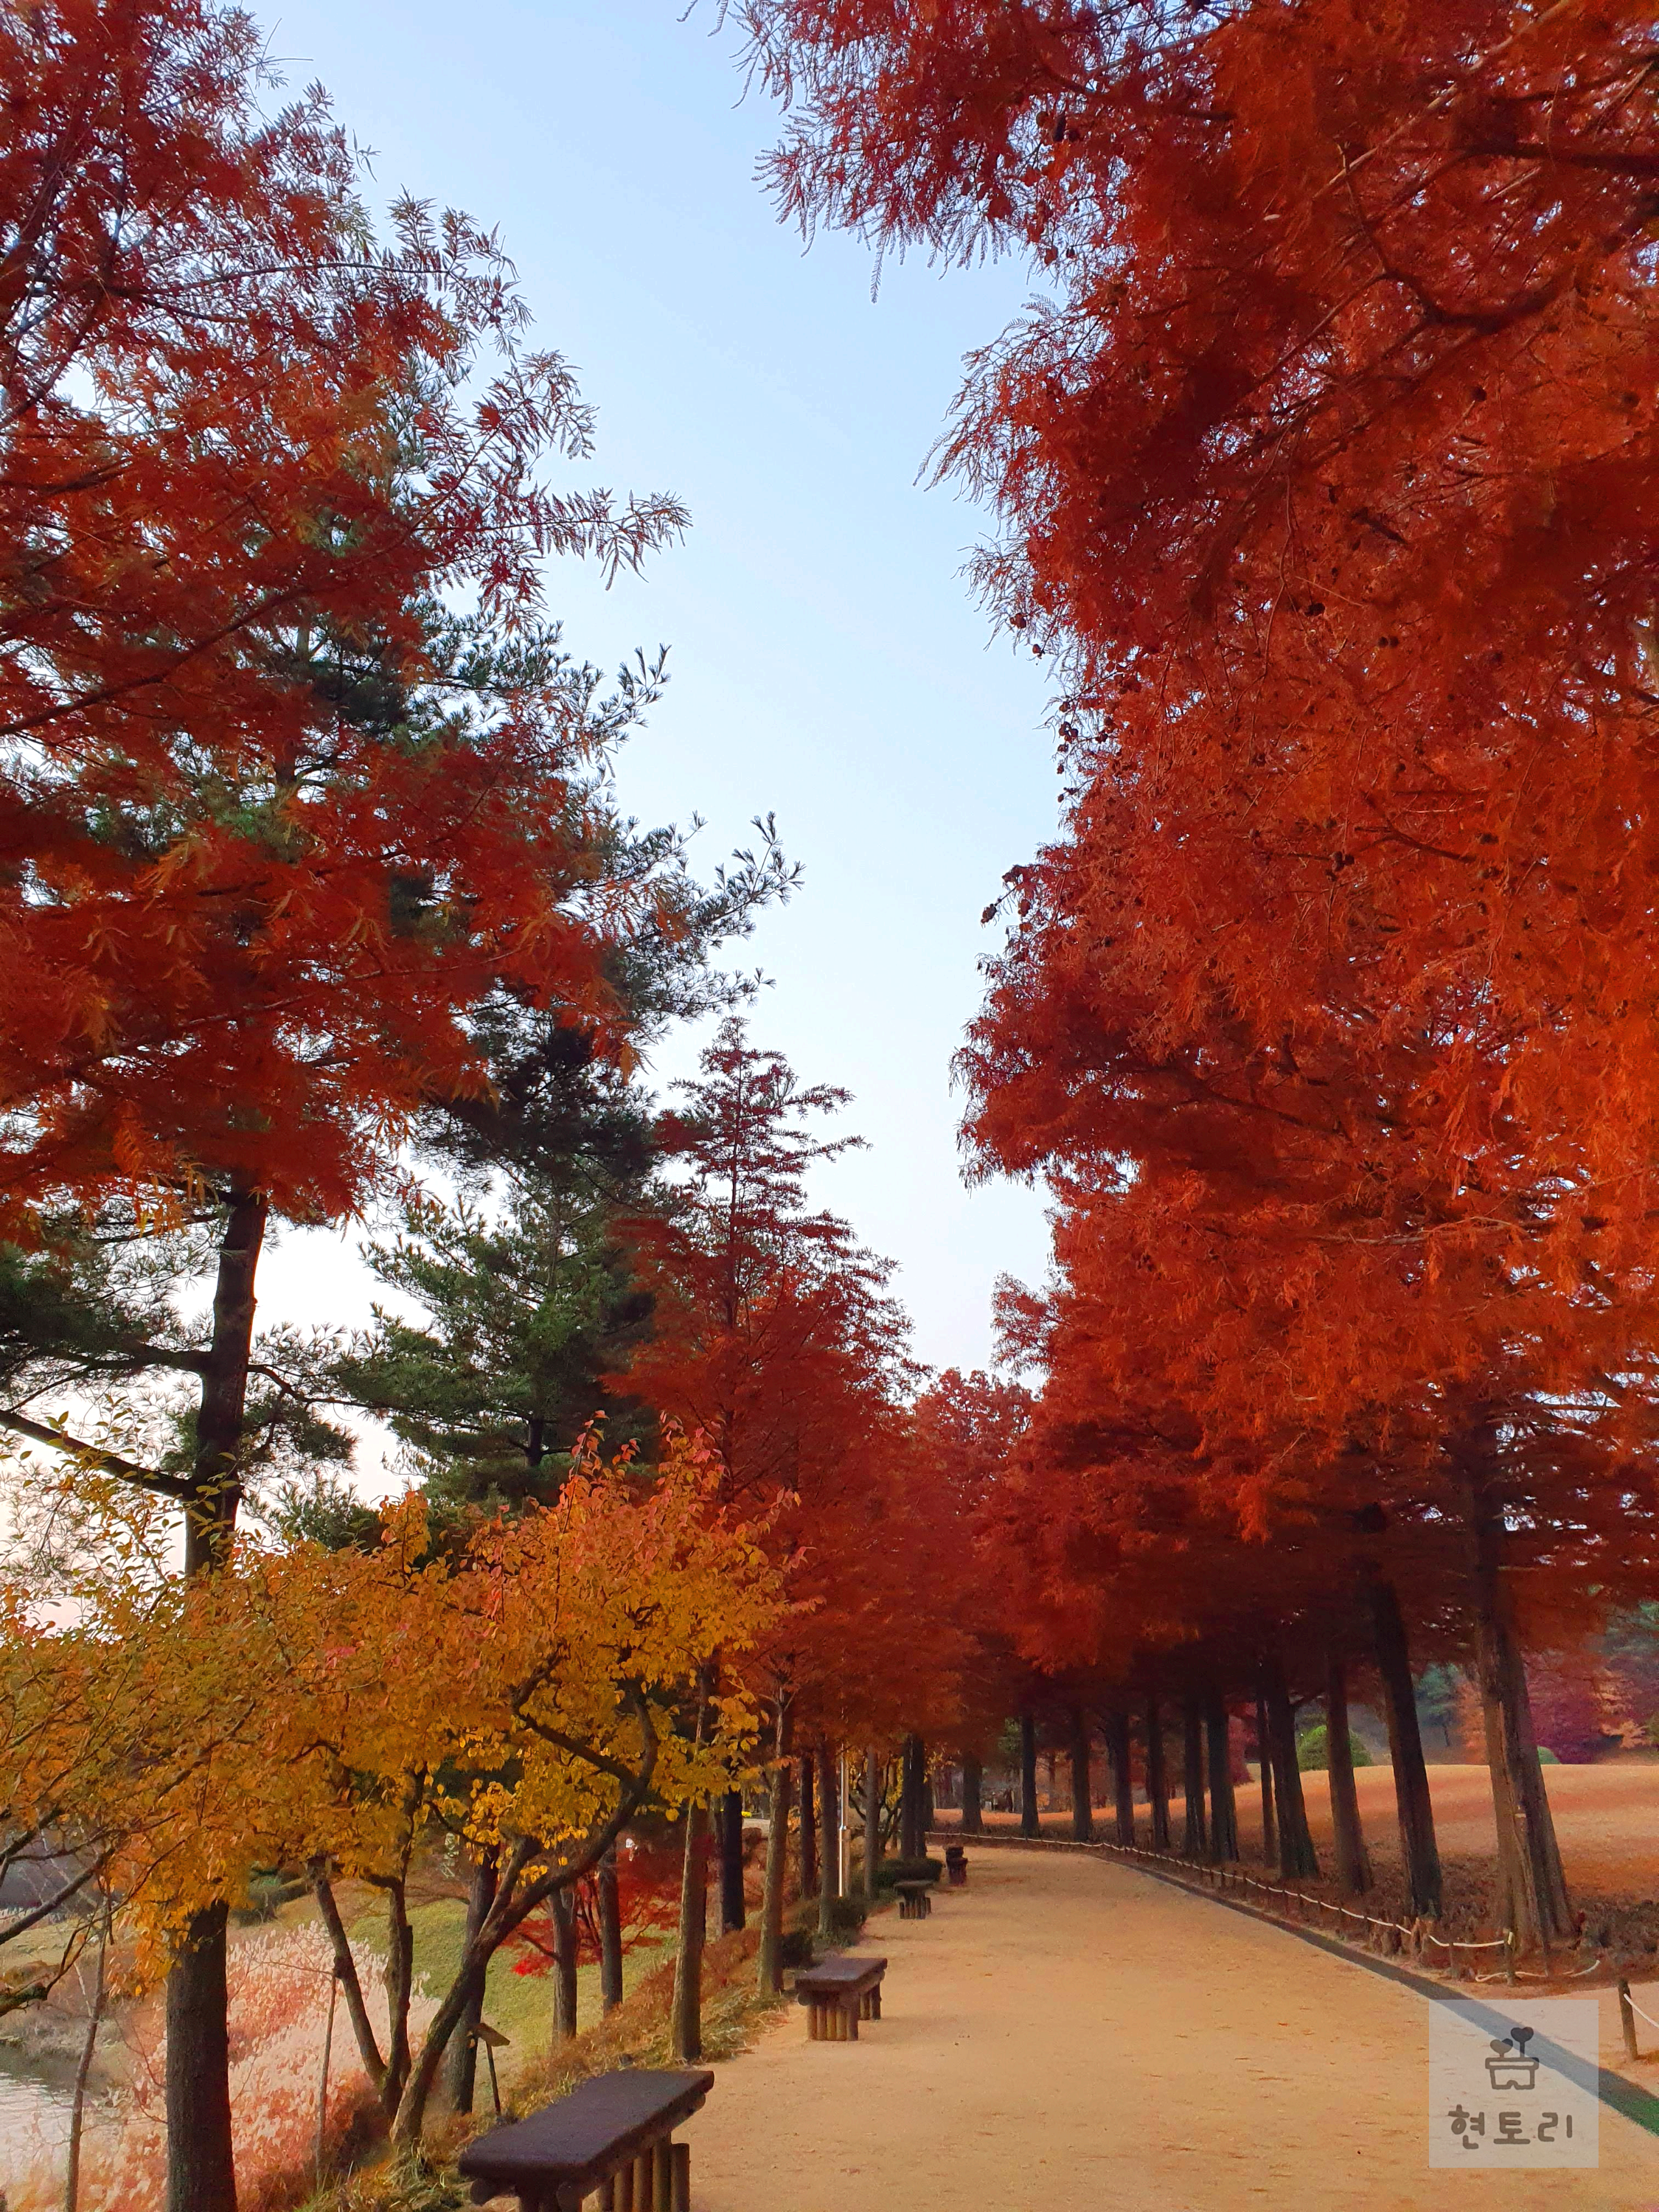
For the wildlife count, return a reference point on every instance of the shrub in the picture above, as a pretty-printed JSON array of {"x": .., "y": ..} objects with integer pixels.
[
  {"x": 847, "y": 1916},
  {"x": 892, "y": 1870},
  {"x": 1546, "y": 1757},
  {"x": 795, "y": 1947},
  {"x": 1313, "y": 1750}
]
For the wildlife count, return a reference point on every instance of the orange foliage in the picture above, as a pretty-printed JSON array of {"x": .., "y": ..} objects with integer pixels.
[{"x": 248, "y": 449}]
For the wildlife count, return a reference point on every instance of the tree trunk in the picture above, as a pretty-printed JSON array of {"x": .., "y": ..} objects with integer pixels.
[
  {"x": 973, "y": 1796},
  {"x": 685, "y": 2018},
  {"x": 733, "y": 1914},
  {"x": 1157, "y": 1777},
  {"x": 809, "y": 1834},
  {"x": 1083, "y": 1818},
  {"x": 611, "y": 1944},
  {"x": 1264, "y": 1759},
  {"x": 201, "y": 2164},
  {"x": 561, "y": 1905},
  {"x": 1194, "y": 1842},
  {"x": 1116, "y": 1732},
  {"x": 83, "y": 2069},
  {"x": 1224, "y": 1815},
  {"x": 1353, "y": 1866},
  {"x": 829, "y": 1855},
  {"x": 201, "y": 2173},
  {"x": 872, "y": 1797},
  {"x": 1418, "y": 1849},
  {"x": 400, "y": 1991},
  {"x": 1532, "y": 1885},
  {"x": 929, "y": 1816},
  {"x": 913, "y": 1818},
  {"x": 1029, "y": 1824},
  {"x": 1297, "y": 1861},
  {"x": 464, "y": 2049},
  {"x": 769, "y": 1970}
]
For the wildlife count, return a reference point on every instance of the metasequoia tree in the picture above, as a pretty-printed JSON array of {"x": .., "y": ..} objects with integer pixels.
[
  {"x": 1326, "y": 475},
  {"x": 771, "y": 1324}
]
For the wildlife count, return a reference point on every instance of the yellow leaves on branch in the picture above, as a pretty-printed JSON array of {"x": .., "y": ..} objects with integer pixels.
[{"x": 510, "y": 1686}]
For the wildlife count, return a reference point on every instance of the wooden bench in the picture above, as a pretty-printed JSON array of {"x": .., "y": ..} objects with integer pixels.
[
  {"x": 955, "y": 1865},
  {"x": 915, "y": 1900},
  {"x": 609, "y": 2139},
  {"x": 838, "y": 1994}
]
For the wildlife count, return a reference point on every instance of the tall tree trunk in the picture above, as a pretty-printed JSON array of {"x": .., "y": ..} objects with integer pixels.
[
  {"x": 1194, "y": 1842},
  {"x": 733, "y": 1914},
  {"x": 809, "y": 1833},
  {"x": 769, "y": 1971},
  {"x": 201, "y": 2176},
  {"x": 1157, "y": 1777},
  {"x": 909, "y": 1838},
  {"x": 1297, "y": 1861},
  {"x": 1116, "y": 1732},
  {"x": 872, "y": 1797},
  {"x": 462, "y": 2055},
  {"x": 611, "y": 1944},
  {"x": 561, "y": 1905},
  {"x": 830, "y": 1853},
  {"x": 1224, "y": 1815},
  {"x": 1353, "y": 1866},
  {"x": 685, "y": 2017},
  {"x": 973, "y": 1797},
  {"x": 1532, "y": 1883},
  {"x": 929, "y": 1816},
  {"x": 1029, "y": 1823},
  {"x": 201, "y": 2162},
  {"x": 1083, "y": 1818},
  {"x": 1264, "y": 1759},
  {"x": 1412, "y": 1803}
]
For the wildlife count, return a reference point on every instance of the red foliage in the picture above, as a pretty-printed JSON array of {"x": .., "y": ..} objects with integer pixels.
[
  {"x": 246, "y": 890},
  {"x": 647, "y": 1909},
  {"x": 1327, "y": 474}
]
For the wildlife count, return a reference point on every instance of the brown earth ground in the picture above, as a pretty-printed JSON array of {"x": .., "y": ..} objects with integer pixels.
[{"x": 1069, "y": 2035}]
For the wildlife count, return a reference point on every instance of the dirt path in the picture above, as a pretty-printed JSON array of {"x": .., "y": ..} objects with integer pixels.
[{"x": 1069, "y": 2036}]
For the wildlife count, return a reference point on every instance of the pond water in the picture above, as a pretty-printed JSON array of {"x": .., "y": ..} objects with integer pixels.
[{"x": 36, "y": 2096}]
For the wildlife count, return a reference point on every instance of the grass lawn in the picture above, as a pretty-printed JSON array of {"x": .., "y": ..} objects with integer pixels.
[{"x": 519, "y": 2005}]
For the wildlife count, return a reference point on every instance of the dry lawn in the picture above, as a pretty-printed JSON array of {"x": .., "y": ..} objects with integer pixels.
[{"x": 1607, "y": 1818}]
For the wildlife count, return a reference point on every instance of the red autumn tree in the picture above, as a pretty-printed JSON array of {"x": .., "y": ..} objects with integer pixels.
[
  {"x": 275, "y": 820},
  {"x": 1291, "y": 470},
  {"x": 246, "y": 447},
  {"x": 773, "y": 1325}
]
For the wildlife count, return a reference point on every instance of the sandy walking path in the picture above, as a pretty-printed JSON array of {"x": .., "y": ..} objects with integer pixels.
[{"x": 1066, "y": 2035}]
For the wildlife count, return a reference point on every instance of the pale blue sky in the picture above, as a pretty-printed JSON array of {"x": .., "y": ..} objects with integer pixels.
[{"x": 828, "y": 661}]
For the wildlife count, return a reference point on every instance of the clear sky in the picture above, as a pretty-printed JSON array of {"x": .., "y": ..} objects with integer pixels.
[{"x": 828, "y": 661}]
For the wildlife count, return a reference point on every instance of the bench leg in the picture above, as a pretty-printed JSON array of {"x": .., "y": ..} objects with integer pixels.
[
  {"x": 662, "y": 2176},
  {"x": 875, "y": 2002},
  {"x": 644, "y": 2167},
  {"x": 621, "y": 2185},
  {"x": 681, "y": 2190}
]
